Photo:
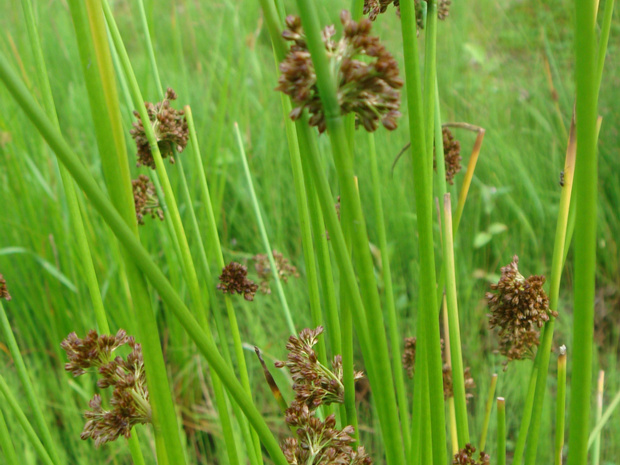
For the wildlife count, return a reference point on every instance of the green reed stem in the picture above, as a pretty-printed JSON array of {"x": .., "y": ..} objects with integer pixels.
[
  {"x": 596, "y": 453},
  {"x": 585, "y": 230},
  {"x": 263, "y": 233},
  {"x": 487, "y": 412},
  {"x": 390, "y": 307},
  {"x": 134, "y": 448},
  {"x": 140, "y": 257},
  {"x": 386, "y": 398},
  {"x": 501, "y": 431},
  {"x": 603, "y": 40},
  {"x": 456, "y": 357},
  {"x": 544, "y": 350},
  {"x": 560, "y": 409},
  {"x": 527, "y": 416},
  {"x": 422, "y": 177},
  {"x": 31, "y": 435},
  {"x": 6, "y": 443}
]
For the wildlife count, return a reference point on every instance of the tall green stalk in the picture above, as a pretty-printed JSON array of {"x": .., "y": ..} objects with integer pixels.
[
  {"x": 422, "y": 166},
  {"x": 586, "y": 182},
  {"x": 501, "y": 431},
  {"x": 6, "y": 443},
  {"x": 487, "y": 412},
  {"x": 596, "y": 453},
  {"x": 560, "y": 409}
]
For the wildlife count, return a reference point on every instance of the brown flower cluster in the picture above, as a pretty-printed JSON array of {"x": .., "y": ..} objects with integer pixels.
[
  {"x": 320, "y": 442},
  {"x": 234, "y": 280},
  {"x": 368, "y": 88},
  {"x": 314, "y": 383},
  {"x": 408, "y": 360},
  {"x": 452, "y": 155},
  {"x": 466, "y": 457},
  {"x": 129, "y": 404},
  {"x": 170, "y": 128},
  {"x": 519, "y": 308},
  {"x": 4, "y": 292},
  {"x": 263, "y": 268},
  {"x": 145, "y": 199},
  {"x": 317, "y": 442},
  {"x": 373, "y": 8}
]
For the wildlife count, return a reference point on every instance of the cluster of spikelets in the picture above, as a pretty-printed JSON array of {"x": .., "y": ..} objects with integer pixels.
[
  {"x": 145, "y": 199},
  {"x": 367, "y": 75},
  {"x": 170, "y": 128},
  {"x": 4, "y": 292},
  {"x": 129, "y": 403},
  {"x": 466, "y": 457},
  {"x": 234, "y": 280},
  {"x": 408, "y": 360},
  {"x": 452, "y": 155},
  {"x": 519, "y": 308},
  {"x": 263, "y": 268},
  {"x": 373, "y": 8},
  {"x": 318, "y": 441}
]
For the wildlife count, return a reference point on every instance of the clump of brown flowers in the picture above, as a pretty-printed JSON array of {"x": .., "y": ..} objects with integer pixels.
[
  {"x": 320, "y": 442},
  {"x": 408, "y": 360},
  {"x": 519, "y": 308},
  {"x": 170, "y": 128},
  {"x": 145, "y": 199},
  {"x": 263, "y": 268},
  {"x": 409, "y": 355},
  {"x": 452, "y": 155},
  {"x": 466, "y": 457},
  {"x": 314, "y": 383},
  {"x": 368, "y": 88},
  {"x": 373, "y": 8},
  {"x": 4, "y": 292},
  {"x": 234, "y": 280},
  {"x": 129, "y": 404}
]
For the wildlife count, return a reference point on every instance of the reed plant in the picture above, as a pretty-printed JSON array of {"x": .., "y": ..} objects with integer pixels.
[{"x": 364, "y": 380}]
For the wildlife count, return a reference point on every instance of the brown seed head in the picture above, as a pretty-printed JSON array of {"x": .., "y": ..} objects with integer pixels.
[
  {"x": 170, "y": 128},
  {"x": 263, "y": 268},
  {"x": 366, "y": 87},
  {"x": 234, "y": 280},
  {"x": 145, "y": 199},
  {"x": 452, "y": 155},
  {"x": 4, "y": 292},
  {"x": 409, "y": 355},
  {"x": 466, "y": 457}
]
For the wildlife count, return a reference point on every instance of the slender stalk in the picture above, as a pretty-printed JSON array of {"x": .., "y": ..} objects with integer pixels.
[
  {"x": 487, "y": 412},
  {"x": 422, "y": 166},
  {"x": 456, "y": 357},
  {"x": 134, "y": 448},
  {"x": 263, "y": 233},
  {"x": 140, "y": 257},
  {"x": 6, "y": 443},
  {"x": 585, "y": 230},
  {"x": 596, "y": 453},
  {"x": 11, "y": 402},
  {"x": 501, "y": 431},
  {"x": 526, "y": 417},
  {"x": 603, "y": 40},
  {"x": 604, "y": 419},
  {"x": 560, "y": 409}
]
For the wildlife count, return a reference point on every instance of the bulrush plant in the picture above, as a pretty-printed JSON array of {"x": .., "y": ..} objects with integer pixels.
[{"x": 331, "y": 84}]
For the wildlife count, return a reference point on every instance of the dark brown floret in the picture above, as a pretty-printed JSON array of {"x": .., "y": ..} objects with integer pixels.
[
  {"x": 145, "y": 199},
  {"x": 452, "y": 155},
  {"x": 4, "y": 292},
  {"x": 519, "y": 308},
  {"x": 448, "y": 387},
  {"x": 263, "y": 268},
  {"x": 466, "y": 457},
  {"x": 409, "y": 355},
  {"x": 130, "y": 397},
  {"x": 234, "y": 280},
  {"x": 170, "y": 128},
  {"x": 314, "y": 383},
  {"x": 373, "y": 8},
  {"x": 368, "y": 88}
]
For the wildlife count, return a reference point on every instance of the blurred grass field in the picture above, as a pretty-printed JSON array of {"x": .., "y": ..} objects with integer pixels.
[{"x": 505, "y": 66}]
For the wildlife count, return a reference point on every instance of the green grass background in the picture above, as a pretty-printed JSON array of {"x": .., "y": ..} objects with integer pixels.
[{"x": 502, "y": 65}]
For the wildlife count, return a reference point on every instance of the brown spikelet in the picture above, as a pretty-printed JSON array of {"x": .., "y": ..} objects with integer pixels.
[
  {"x": 4, "y": 292},
  {"x": 233, "y": 280},
  {"x": 145, "y": 199}
]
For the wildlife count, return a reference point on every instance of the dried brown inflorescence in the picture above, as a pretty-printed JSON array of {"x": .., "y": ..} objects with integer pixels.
[
  {"x": 263, "y": 268},
  {"x": 234, "y": 280},
  {"x": 466, "y": 457},
  {"x": 452, "y": 155},
  {"x": 409, "y": 355},
  {"x": 317, "y": 442},
  {"x": 4, "y": 292},
  {"x": 366, "y": 87},
  {"x": 373, "y": 8},
  {"x": 320, "y": 442},
  {"x": 314, "y": 383},
  {"x": 170, "y": 128},
  {"x": 129, "y": 404},
  {"x": 519, "y": 308},
  {"x": 145, "y": 199}
]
